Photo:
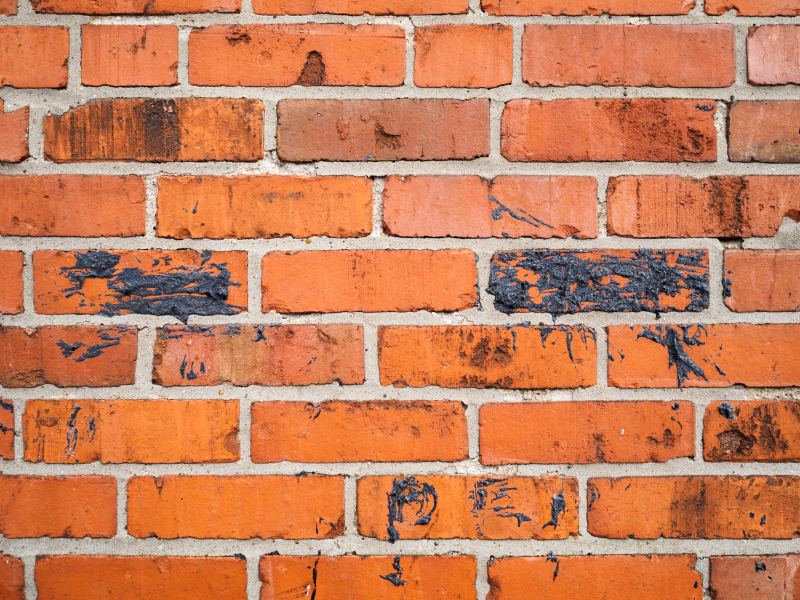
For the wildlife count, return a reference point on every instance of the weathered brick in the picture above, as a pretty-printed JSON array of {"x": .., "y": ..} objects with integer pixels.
[
  {"x": 157, "y": 130},
  {"x": 585, "y": 432},
  {"x": 629, "y": 55},
  {"x": 269, "y": 355},
  {"x": 767, "y": 280},
  {"x": 6, "y": 433},
  {"x": 34, "y": 57},
  {"x": 357, "y": 7},
  {"x": 754, "y": 8},
  {"x": 131, "y": 431},
  {"x": 398, "y": 129},
  {"x": 514, "y": 356},
  {"x": 756, "y": 431},
  {"x": 588, "y": 7},
  {"x": 720, "y": 355},
  {"x": 764, "y": 131},
  {"x": 575, "y": 130},
  {"x": 135, "y": 7},
  {"x": 14, "y": 134},
  {"x": 754, "y": 577},
  {"x": 11, "y": 264},
  {"x": 72, "y": 507},
  {"x": 12, "y": 578},
  {"x": 371, "y": 431},
  {"x": 694, "y": 507},
  {"x": 129, "y": 55},
  {"x": 8, "y": 7},
  {"x": 101, "y": 356},
  {"x": 238, "y": 507},
  {"x": 773, "y": 55}
]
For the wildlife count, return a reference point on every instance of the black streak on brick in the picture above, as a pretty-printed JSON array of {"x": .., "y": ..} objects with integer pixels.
[
  {"x": 111, "y": 336},
  {"x": 397, "y": 577},
  {"x": 498, "y": 488},
  {"x": 410, "y": 492},
  {"x": 558, "y": 508},
  {"x": 676, "y": 342}
]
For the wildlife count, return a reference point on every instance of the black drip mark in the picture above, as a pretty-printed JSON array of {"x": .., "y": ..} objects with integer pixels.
[
  {"x": 518, "y": 214},
  {"x": 498, "y": 488},
  {"x": 558, "y": 507},
  {"x": 176, "y": 332},
  {"x": 678, "y": 422},
  {"x": 410, "y": 492},
  {"x": 194, "y": 210},
  {"x": 726, "y": 285},
  {"x": 205, "y": 256},
  {"x": 727, "y": 411},
  {"x": 72, "y": 434},
  {"x": 761, "y": 567},
  {"x": 314, "y": 576},
  {"x": 594, "y": 494},
  {"x": 232, "y": 330},
  {"x": 191, "y": 375},
  {"x": 314, "y": 410},
  {"x": 675, "y": 343},
  {"x": 553, "y": 559},
  {"x": 764, "y": 520},
  {"x": 397, "y": 577},
  {"x": 584, "y": 332},
  {"x": 6, "y": 406},
  {"x": 183, "y": 367},
  {"x": 91, "y": 429},
  {"x": 95, "y": 350},
  {"x": 705, "y": 108},
  {"x": 324, "y": 522}
]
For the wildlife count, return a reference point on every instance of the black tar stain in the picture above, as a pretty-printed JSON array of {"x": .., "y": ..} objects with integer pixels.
[
  {"x": 95, "y": 350},
  {"x": 72, "y": 433},
  {"x": 558, "y": 507},
  {"x": 551, "y": 558},
  {"x": 396, "y": 577},
  {"x": 676, "y": 342},
  {"x": 727, "y": 411},
  {"x": 410, "y": 492},
  {"x": 516, "y": 213},
  {"x": 761, "y": 567},
  {"x": 498, "y": 488}
]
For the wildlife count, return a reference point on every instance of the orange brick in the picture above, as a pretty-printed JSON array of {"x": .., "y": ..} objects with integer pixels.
[
  {"x": 136, "y": 7},
  {"x": 34, "y": 57},
  {"x": 754, "y": 8},
  {"x": 720, "y": 355},
  {"x": 259, "y": 355},
  {"x": 694, "y": 507},
  {"x": 357, "y": 7},
  {"x": 238, "y": 507},
  {"x": 372, "y": 431},
  {"x": 492, "y": 508},
  {"x": 130, "y": 55},
  {"x": 471, "y": 56},
  {"x": 629, "y": 55},
  {"x": 588, "y": 7},
  {"x": 681, "y": 207},
  {"x": 6, "y": 435},
  {"x": 773, "y": 55},
  {"x": 14, "y": 134},
  {"x": 513, "y": 356},
  {"x": 157, "y": 130},
  {"x": 307, "y": 54},
  {"x": 8, "y": 7},
  {"x": 177, "y": 283},
  {"x": 585, "y": 432},
  {"x": 135, "y": 577},
  {"x": 12, "y": 578},
  {"x": 767, "y": 280},
  {"x": 576, "y": 130},
  {"x": 764, "y": 132},
  {"x": 757, "y": 431},
  {"x": 72, "y": 507},
  {"x": 754, "y": 577},
  {"x": 131, "y": 431},
  {"x": 103, "y": 356},
  {"x": 11, "y": 264}
]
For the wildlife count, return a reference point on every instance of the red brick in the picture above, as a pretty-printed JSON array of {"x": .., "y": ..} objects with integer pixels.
[
  {"x": 371, "y": 431},
  {"x": 576, "y": 130},
  {"x": 719, "y": 355},
  {"x": 8, "y": 7},
  {"x": 103, "y": 356},
  {"x": 682, "y": 207},
  {"x": 131, "y": 431},
  {"x": 135, "y": 7},
  {"x": 14, "y": 134},
  {"x": 629, "y": 55},
  {"x": 472, "y": 56},
  {"x": 754, "y": 8},
  {"x": 757, "y": 431},
  {"x": 773, "y": 55},
  {"x": 156, "y": 130},
  {"x": 588, "y": 7},
  {"x": 11, "y": 264},
  {"x": 6, "y": 434},
  {"x": 129, "y": 55},
  {"x": 444, "y": 507},
  {"x": 34, "y": 57},
  {"x": 269, "y": 355},
  {"x": 238, "y": 507},
  {"x": 12, "y": 578},
  {"x": 399, "y": 129},
  {"x": 585, "y": 432},
  {"x": 306, "y": 54},
  {"x": 767, "y": 280},
  {"x": 474, "y": 207},
  {"x": 694, "y": 507},
  {"x": 357, "y": 7},
  {"x": 764, "y": 132},
  {"x": 754, "y": 577},
  {"x": 72, "y": 507},
  {"x": 515, "y": 357}
]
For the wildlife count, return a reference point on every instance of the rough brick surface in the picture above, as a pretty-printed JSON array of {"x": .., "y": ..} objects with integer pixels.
[
  {"x": 757, "y": 280},
  {"x": 8, "y": 7},
  {"x": 773, "y": 55},
  {"x": 34, "y": 57},
  {"x": 11, "y": 264},
  {"x": 764, "y": 131},
  {"x": 754, "y": 577},
  {"x": 7, "y": 433},
  {"x": 754, "y": 8},
  {"x": 135, "y": 7},
  {"x": 12, "y": 578},
  {"x": 587, "y": 7},
  {"x": 357, "y": 7},
  {"x": 14, "y": 134},
  {"x": 129, "y": 55}
]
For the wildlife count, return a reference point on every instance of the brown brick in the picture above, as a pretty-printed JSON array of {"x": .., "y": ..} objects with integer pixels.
[
  {"x": 103, "y": 356},
  {"x": 588, "y": 7},
  {"x": 754, "y": 577},
  {"x": 754, "y": 8},
  {"x": 629, "y": 55},
  {"x": 767, "y": 280},
  {"x": 11, "y": 264},
  {"x": 757, "y": 431},
  {"x": 6, "y": 434},
  {"x": 269, "y": 355},
  {"x": 371, "y": 431},
  {"x": 8, "y": 7},
  {"x": 694, "y": 507},
  {"x": 682, "y": 207},
  {"x": 764, "y": 132},
  {"x": 34, "y": 57},
  {"x": 14, "y": 134},
  {"x": 585, "y": 432},
  {"x": 72, "y": 507},
  {"x": 156, "y": 130},
  {"x": 12, "y": 578},
  {"x": 399, "y": 129},
  {"x": 131, "y": 431},
  {"x": 238, "y": 507},
  {"x": 129, "y": 55},
  {"x": 358, "y": 7},
  {"x": 136, "y": 7},
  {"x": 576, "y": 130},
  {"x": 515, "y": 357},
  {"x": 773, "y": 55}
]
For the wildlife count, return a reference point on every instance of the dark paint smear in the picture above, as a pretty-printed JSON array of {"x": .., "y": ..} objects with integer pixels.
[
  {"x": 91, "y": 429},
  {"x": 595, "y": 494},
  {"x": 314, "y": 577},
  {"x": 675, "y": 342},
  {"x": 497, "y": 214},
  {"x": 96, "y": 349},
  {"x": 480, "y": 494},
  {"x": 72, "y": 433},
  {"x": 551, "y": 558},
  {"x": 397, "y": 577},
  {"x": 727, "y": 411},
  {"x": 558, "y": 507},
  {"x": 410, "y": 492},
  {"x": 584, "y": 332},
  {"x": 761, "y": 567},
  {"x": 176, "y": 332},
  {"x": 763, "y": 519},
  {"x": 7, "y": 406}
]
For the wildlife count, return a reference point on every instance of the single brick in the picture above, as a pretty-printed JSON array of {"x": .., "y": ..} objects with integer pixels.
[
  {"x": 399, "y": 129},
  {"x": 14, "y": 134},
  {"x": 612, "y": 577},
  {"x": 568, "y": 281},
  {"x": 754, "y": 8},
  {"x": 11, "y": 264},
  {"x": 237, "y": 507},
  {"x": 585, "y": 432},
  {"x": 719, "y": 355},
  {"x": 773, "y": 54},
  {"x": 764, "y": 131},
  {"x": 576, "y": 130},
  {"x": 629, "y": 55},
  {"x": 694, "y": 507},
  {"x": 157, "y": 130},
  {"x": 97, "y": 356},
  {"x": 369, "y": 281},
  {"x": 371, "y": 431},
  {"x": 682, "y": 207},
  {"x": 129, "y": 55},
  {"x": 136, "y": 577},
  {"x": 303, "y": 54},
  {"x": 756, "y": 431},
  {"x": 34, "y": 57},
  {"x": 471, "y": 56},
  {"x": 269, "y": 355},
  {"x": 588, "y": 7},
  {"x": 754, "y": 577},
  {"x": 136, "y": 7},
  {"x": 74, "y": 507},
  {"x": 767, "y": 280},
  {"x": 177, "y": 283},
  {"x": 512, "y": 356},
  {"x": 12, "y": 578},
  {"x": 264, "y": 206},
  {"x": 8, "y": 7},
  {"x": 358, "y": 7},
  {"x": 367, "y": 577},
  {"x": 131, "y": 431},
  {"x": 6, "y": 433}
]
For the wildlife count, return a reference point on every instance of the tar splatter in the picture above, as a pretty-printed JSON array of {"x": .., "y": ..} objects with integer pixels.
[
  {"x": 727, "y": 411},
  {"x": 419, "y": 496},
  {"x": 72, "y": 433},
  {"x": 176, "y": 332},
  {"x": 558, "y": 508},
  {"x": 584, "y": 332},
  {"x": 314, "y": 576},
  {"x": 518, "y": 214},
  {"x": 6, "y": 406},
  {"x": 95, "y": 350},
  {"x": 553, "y": 559},
  {"x": 676, "y": 342},
  {"x": 761, "y": 567},
  {"x": 498, "y": 489},
  {"x": 726, "y": 285},
  {"x": 594, "y": 494},
  {"x": 314, "y": 410},
  {"x": 397, "y": 577}
]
